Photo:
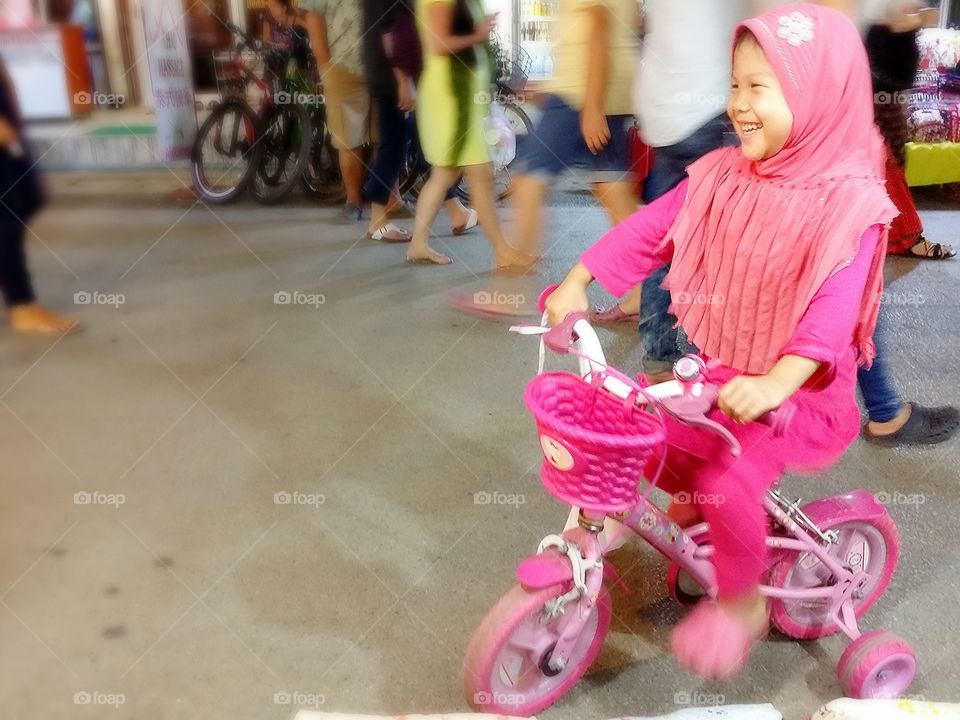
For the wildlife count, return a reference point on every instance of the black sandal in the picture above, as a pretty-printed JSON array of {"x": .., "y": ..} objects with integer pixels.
[
  {"x": 930, "y": 251},
  {"x": 925, "y": 426}
]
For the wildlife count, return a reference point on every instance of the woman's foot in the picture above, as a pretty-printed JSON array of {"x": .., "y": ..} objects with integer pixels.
[
  {"x": 926, "y": 250},
  {"x": 513, "y": 261},
  {"x": 388, "y": 233},
  {"x": 427, "y": 256},
  {"x": 34, "y": 319},
  {"x": 914, "y": 425},
  {"x": 715, "y": 640}
]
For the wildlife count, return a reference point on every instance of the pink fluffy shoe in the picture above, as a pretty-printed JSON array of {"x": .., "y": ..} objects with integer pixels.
[{"x": 713, "y": 643}]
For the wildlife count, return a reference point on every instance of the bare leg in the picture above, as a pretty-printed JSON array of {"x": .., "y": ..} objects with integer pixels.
[
  {"x": 620, "y": 202},
  {"x": 428, "y": 205},
  {"x": 480, "y": 178},
  {"x": 529, "y": 194},
  {"x": 351, "y": 168}
]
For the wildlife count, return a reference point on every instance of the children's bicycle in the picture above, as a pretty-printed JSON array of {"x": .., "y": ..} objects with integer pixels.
[{"x": 831, "y": 559}]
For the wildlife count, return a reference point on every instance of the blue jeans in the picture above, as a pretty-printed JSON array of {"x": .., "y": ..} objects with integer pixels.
[
  {"x": 395, "y": 134},
  {"x": 879, "y": 395},
  {"x": 661, "y": 343}
]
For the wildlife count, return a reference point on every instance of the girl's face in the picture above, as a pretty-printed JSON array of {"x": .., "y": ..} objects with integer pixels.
[
  {"x": 277, "y": 11},
  {"x": 757, "y": 106}
]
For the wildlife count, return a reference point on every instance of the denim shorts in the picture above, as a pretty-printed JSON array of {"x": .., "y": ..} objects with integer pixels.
[{"x": 557, "y": 144}]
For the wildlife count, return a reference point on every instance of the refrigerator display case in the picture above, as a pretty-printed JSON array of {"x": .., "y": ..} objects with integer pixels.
[{"x": 534, "y": 28}]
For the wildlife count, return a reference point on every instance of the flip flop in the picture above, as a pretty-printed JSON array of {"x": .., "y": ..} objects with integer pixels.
[
  {"x": 925, "y": 426},
  {"x": 472, "y": 220},
  {"x": 929, "y": 251},
  {"x": 613, "y": 315},
  {"x": 49, "y": 332},
  {"x": 390, "y": 233}
]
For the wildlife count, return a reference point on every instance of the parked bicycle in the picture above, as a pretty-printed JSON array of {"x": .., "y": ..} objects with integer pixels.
[
  {"x": 269, "y": 151},
  {"x": 832, "y": 559}
]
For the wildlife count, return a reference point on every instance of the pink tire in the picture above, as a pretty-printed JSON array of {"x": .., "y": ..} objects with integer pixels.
[
  {"x": 867, "y": 540},
  {"x": 503, "y": 668},
  {"x": 877, "y": 665}
]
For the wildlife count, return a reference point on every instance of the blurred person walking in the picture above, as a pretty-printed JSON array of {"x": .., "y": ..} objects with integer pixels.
[
  {"x": 454, "y": 87},
  {"x": 21, "y": 196},
  {"x": 336, "y": 29},
  {"x": 393, "y": 61},
  {"x": 894, "y": 59}
]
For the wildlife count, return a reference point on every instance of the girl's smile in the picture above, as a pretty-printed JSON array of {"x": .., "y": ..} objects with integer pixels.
[{"x": 757, "y": 107}]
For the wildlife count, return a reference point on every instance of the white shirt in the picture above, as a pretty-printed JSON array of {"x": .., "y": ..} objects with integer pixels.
[{"x": 684, "y": 76}]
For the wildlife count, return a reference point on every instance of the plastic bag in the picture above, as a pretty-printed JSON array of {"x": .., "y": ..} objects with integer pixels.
[{"x": 500, "y": 137}]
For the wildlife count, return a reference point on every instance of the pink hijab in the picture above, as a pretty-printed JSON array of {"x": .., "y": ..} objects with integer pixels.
[{"x": 756, "y": 240}]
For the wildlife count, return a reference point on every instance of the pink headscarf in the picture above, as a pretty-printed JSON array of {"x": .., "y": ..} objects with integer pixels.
[{"x": 758, "y": 239}]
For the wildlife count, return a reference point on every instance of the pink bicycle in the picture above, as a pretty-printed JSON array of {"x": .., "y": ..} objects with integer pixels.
[{"x": 832, "y": 559}]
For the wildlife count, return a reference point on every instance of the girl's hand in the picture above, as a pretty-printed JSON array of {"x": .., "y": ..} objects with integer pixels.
[
  {"x": 407, "y": 93},
  {"x": 747, "y": 397},
  {"x": 570, "y": 297},
  {"x": 8, "y": 134}
]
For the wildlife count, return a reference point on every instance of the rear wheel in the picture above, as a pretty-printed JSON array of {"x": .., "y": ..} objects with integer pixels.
[
  {"x": 321, "y": 179},
  {"x": 285, "y": 137},
  {"x": 867, "y": 543}
]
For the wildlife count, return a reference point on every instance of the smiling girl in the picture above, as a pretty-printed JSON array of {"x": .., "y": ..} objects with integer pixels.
[{"x": 776, "y": 249}]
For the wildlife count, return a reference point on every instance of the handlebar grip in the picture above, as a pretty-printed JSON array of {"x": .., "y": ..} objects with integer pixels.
[
  {"x": 547, "y": 292},
  {"x": 779, "y": 420}
]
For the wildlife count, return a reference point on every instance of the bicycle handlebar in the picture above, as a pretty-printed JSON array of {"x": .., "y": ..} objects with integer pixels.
[{"x": 688, "y": 398}]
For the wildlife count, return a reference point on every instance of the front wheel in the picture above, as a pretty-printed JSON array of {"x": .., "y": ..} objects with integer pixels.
[
  {"x": 506, "y": 669},
  {"x": 225, "y": 153},
  {"x": 284, "y": 138}
]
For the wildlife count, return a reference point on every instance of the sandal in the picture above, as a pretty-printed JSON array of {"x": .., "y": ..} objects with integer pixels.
[
  {"x": 923, "y": 249},
  {"x": 390, "y": 233},
  {"x": 925, "y": 426},
  {"x": 472, "y": 220},
  {"x": 712, "y": 642},
  {"x": 613, "y": 315}
]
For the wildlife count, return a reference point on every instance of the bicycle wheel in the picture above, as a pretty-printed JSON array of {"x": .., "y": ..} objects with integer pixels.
[
  {"x": 225, "y": 153},
  {"x": 415, "y": 169},
  {"x": 284, "y": 139},
  {"x": 864, "y": 542},
  {"x": 506, "y": 667},
  {"x": 522, "y": 127},
  {"x": 321, "y": 178}
]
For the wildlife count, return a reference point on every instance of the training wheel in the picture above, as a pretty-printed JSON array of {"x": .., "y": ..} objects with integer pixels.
[{"x": 877, "y": 665}]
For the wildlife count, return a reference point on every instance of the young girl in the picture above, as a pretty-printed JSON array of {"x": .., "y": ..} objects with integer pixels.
[{"x": 776, "y": 251}]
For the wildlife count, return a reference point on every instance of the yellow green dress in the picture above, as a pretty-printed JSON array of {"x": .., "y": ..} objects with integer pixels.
[{"x": 452, "y": 100}]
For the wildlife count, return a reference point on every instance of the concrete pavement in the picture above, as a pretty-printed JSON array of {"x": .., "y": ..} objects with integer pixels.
[{"x": 215, "y": 501}]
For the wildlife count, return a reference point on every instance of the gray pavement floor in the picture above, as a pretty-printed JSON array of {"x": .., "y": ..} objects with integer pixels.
[{"x": 194, "y": 398}]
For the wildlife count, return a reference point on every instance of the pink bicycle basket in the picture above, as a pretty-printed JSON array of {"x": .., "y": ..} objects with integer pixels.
[{"x": 595, "y": 445}]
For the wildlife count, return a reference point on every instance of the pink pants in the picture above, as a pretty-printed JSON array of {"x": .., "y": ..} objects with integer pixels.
[{"x": 729, "y": 493}]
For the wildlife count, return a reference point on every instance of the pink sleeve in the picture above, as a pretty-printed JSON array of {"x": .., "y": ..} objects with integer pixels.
[
  {"x": 632, "y": 250},
  {"x": 825, "y": 332}
]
